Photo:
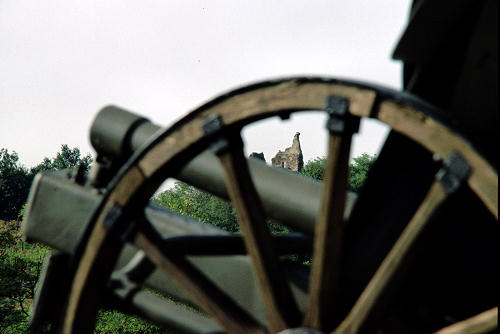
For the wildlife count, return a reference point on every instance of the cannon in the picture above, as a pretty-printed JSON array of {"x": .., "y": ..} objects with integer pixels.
[{"x": 414, "y": 252}]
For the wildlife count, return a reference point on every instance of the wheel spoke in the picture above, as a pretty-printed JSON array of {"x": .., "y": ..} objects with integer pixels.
[
  {"x": 328, "y": 236},
  {"x": 456, "y": 170},
  {"x": 207, "y": 295},
  {"x": 484, "y": 322},
  {"x": 280, "y": 304},
  {"x": 366, "y": 301},
  {"x": 328, "y": 233}
]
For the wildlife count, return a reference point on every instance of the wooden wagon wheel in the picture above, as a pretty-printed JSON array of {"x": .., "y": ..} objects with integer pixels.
[{"x": 217, "y": 124}]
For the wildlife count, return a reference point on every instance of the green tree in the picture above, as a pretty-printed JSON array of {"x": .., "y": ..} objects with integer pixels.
[
  {"x": 66, "y": 158},
  {"x": 204, "y": 207},
  {"x": 315, "y": 168},
  {"x": 15, "y": 181},
  {"x": 358, "y": 170}
]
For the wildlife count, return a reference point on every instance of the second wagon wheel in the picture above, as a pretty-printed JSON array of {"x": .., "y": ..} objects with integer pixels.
[{"x": 365, "y": 272}]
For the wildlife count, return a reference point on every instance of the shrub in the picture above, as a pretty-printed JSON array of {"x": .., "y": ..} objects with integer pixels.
[{"x": 20, "y": 265}]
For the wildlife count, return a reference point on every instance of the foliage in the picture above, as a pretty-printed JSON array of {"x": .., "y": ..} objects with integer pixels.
[
  {"x": 206, "y": 208},
  {"x": 358, "y": 170},
  {"x": 115, "y": 322},
  {"x": 20, "y": 215},
  {"x": 276, "y": 228},
  {"x": 15, "y": 181},
  {"x": 66, "y": 158},
  {"x": 315, "y": 168},
  {"x": 20, "y": 265}
]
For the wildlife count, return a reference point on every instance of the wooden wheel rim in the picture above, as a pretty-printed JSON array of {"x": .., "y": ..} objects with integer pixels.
[{"x": 139, "y": 178}]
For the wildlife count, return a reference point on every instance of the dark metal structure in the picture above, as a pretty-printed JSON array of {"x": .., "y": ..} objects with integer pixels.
[{"x": 415, "y": 252}]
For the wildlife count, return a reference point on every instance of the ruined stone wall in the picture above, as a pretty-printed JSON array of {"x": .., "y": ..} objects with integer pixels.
[{"x": 291, "y": 158}]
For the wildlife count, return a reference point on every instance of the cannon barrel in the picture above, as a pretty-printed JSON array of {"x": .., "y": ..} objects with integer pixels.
[{"x": 287, "y": 196}]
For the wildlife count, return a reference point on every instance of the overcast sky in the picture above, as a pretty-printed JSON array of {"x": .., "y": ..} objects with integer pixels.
[{"x": 61, "y": 61}]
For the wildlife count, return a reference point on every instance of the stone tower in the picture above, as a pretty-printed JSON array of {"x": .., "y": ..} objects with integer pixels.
[{"x": 292, "y": 157}]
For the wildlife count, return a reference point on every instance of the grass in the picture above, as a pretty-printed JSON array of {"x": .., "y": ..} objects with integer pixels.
[{"x": 20, "y": 265}]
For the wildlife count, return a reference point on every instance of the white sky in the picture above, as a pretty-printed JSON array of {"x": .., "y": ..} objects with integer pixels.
[{"x": 61, "y": 61}]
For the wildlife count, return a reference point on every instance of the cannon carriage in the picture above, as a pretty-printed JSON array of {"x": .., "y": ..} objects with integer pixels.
[{"x": 415, "y": 252}]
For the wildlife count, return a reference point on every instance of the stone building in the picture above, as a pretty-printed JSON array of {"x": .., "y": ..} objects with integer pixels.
[{"x": 291, "y": 158}]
